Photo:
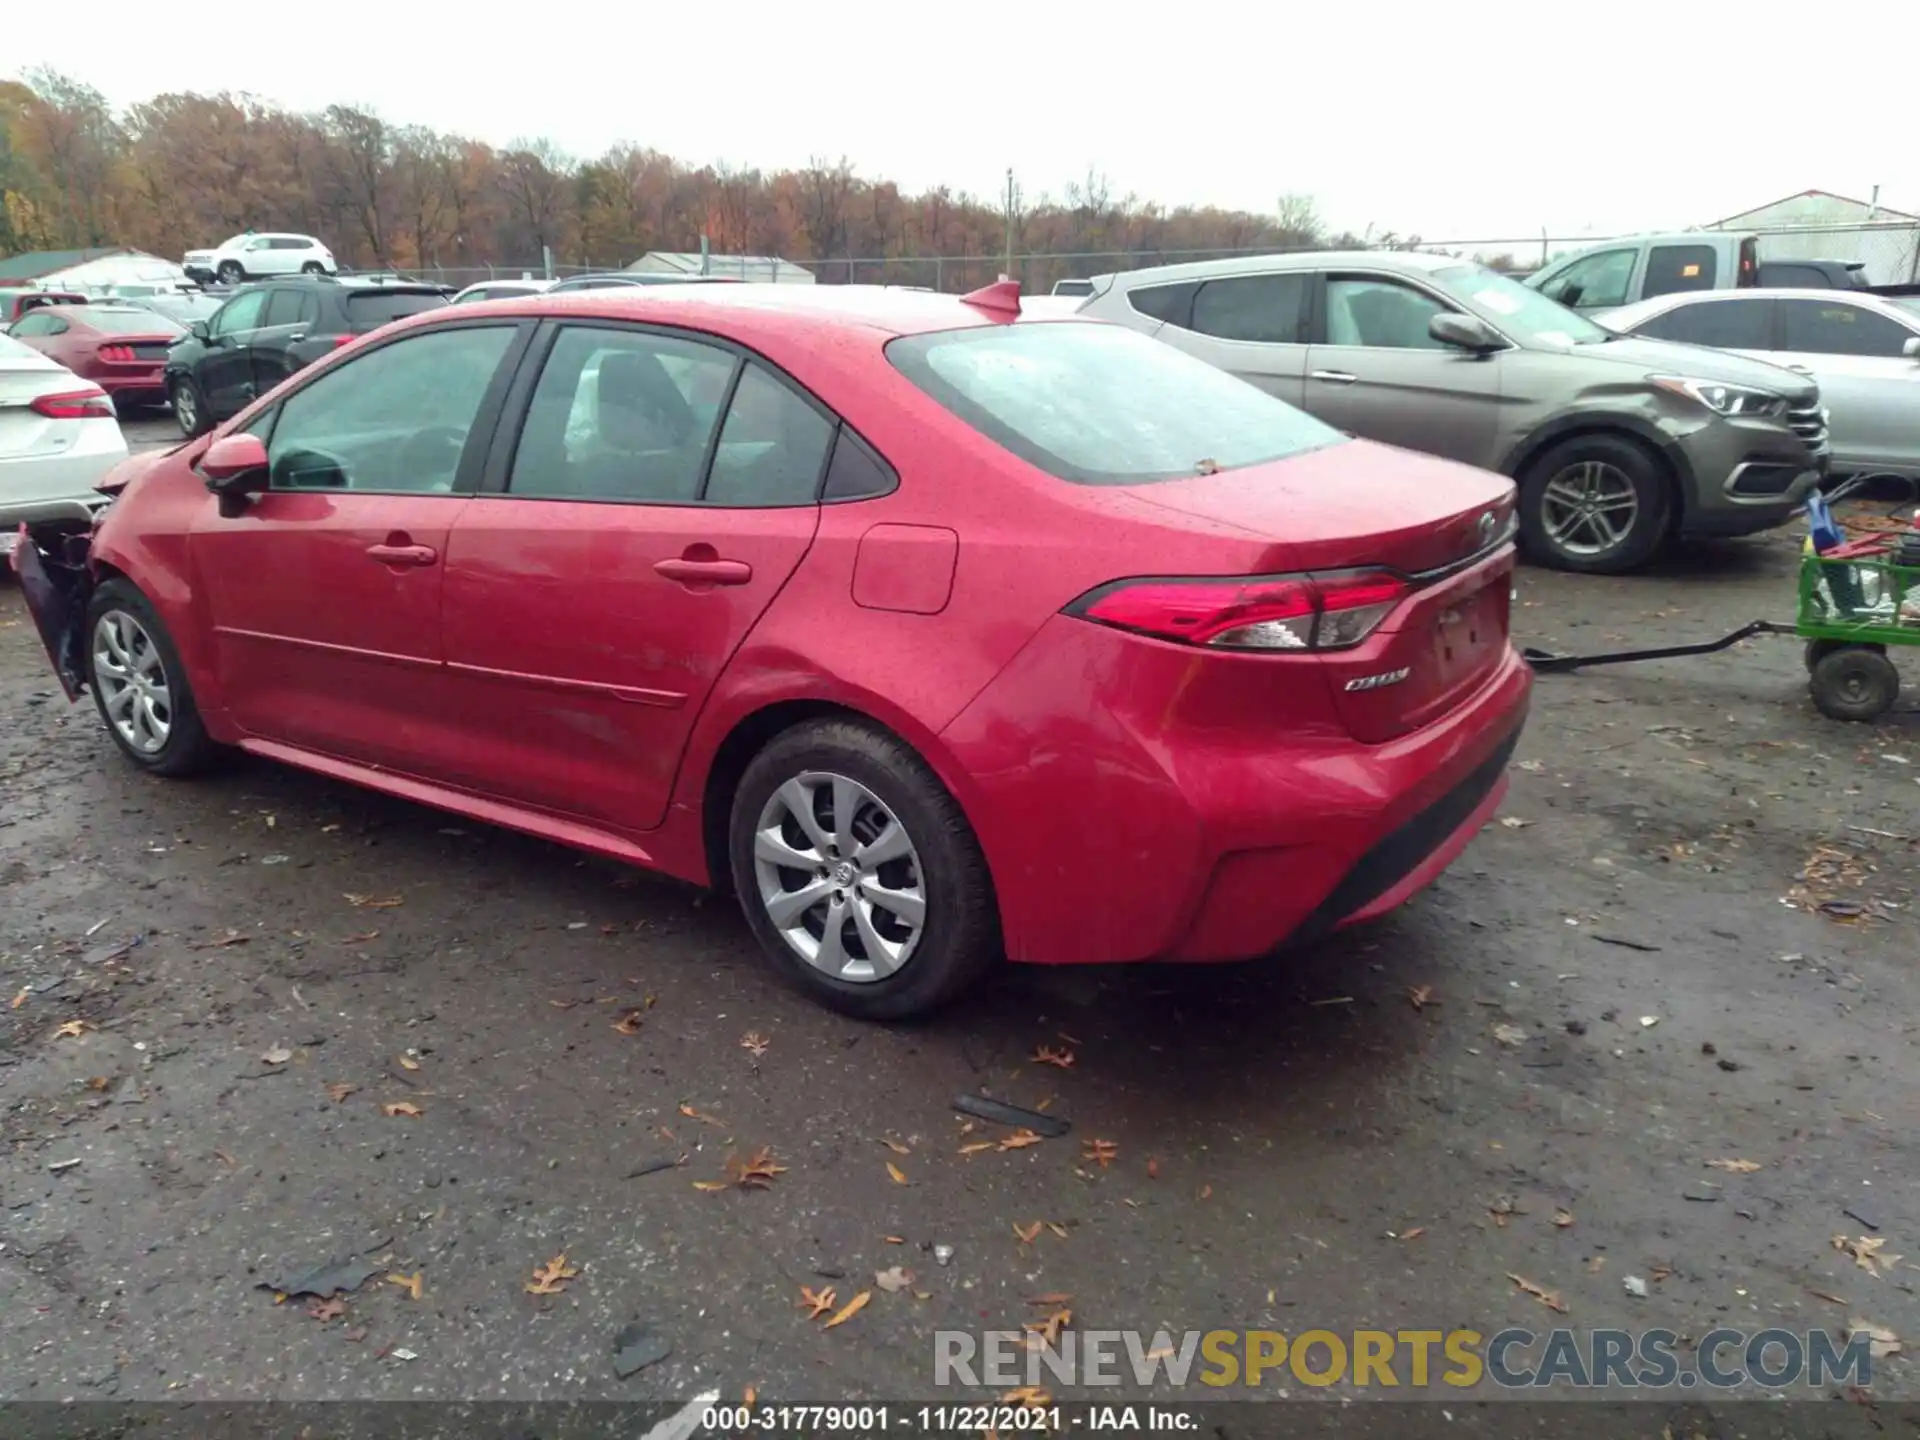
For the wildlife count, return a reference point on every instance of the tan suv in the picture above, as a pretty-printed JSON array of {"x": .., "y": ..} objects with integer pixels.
[{"x": 1615, "y": 443}]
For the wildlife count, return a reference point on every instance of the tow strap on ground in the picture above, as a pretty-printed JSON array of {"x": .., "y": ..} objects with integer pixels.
[{"x": 1546, "y": 662}]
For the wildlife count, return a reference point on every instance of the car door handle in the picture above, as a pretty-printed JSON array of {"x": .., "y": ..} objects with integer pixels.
[
  {"x": 403, "y": 554},
  {"x": 705, "y": 572},
  {"x": 1334, "y": 377}
]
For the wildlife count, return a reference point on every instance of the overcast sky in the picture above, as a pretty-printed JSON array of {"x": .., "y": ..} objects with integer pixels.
[{"x": 1482, "y": 122}]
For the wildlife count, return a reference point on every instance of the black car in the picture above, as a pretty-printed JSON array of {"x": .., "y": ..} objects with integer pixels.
[{"x": 267, "y": 331}]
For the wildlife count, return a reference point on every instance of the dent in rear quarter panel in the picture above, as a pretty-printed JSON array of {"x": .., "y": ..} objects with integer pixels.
[{"x": 145, "y": 537}]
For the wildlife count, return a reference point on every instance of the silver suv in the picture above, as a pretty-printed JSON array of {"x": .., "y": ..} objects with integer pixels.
[{"x": 1615, "y": 443}]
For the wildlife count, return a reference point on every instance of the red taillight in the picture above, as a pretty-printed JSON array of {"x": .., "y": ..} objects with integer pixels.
[
  {"x": 1327, "y": 611},
  {"x": 74, "y": 405},
  {"x": 121, "y": 353}
]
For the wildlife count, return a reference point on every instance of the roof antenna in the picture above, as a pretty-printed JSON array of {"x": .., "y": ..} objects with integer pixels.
[{"x": 1000, "y": 299}]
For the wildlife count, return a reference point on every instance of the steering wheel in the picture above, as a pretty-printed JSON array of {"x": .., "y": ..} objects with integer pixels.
[{"x": 429, "y": 459}]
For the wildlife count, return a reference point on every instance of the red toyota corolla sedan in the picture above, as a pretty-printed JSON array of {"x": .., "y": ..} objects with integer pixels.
[
  {"x": 935, "y": 634},
  {"x": 120, "y": 348}
]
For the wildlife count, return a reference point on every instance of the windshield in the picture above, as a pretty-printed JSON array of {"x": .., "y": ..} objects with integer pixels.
[
  {"x": 130, "y": 322},
  {"x": 1100, "y": 405},
  {"x": 1525, "y": 314},
  {"x": 184, "y": 308}
]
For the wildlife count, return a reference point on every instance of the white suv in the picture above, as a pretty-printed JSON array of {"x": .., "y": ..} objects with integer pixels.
[{"x": 247, "y": 257}]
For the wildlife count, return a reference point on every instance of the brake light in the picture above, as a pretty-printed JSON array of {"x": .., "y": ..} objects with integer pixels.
[
  {"x": 1333, "y": 610},
  {"x": 74, "y": 405},
  {"x": 116, "y": 352}
]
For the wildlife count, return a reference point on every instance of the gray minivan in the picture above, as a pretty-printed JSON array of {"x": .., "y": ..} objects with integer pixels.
[{"x": 1615, "y": 443}]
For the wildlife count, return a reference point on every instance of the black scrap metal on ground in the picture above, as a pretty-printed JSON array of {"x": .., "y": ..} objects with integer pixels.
[{"x": 1545, "y": 662}]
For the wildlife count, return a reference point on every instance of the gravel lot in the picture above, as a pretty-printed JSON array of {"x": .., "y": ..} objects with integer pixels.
[{"x": 1615, "y": 994}]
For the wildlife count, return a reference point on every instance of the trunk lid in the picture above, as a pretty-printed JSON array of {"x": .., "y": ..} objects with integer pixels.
[
  {"x": 23, "y": 430},
  {"x": 1444, "y": 527}
]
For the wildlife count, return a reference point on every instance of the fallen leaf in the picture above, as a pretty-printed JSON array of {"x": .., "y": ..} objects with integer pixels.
[
  {"x": 279, "y": 1055},
  {"x": 1206, "y": 1192},
  {"x": 1736, "y": 1167},
  {"x": 1510, "y": 1034},
  {"x": 1563, "y": 1218},
  {"x": 73, "y": 1029},
  {"x": 629, "y": 1022},
  {"x": 19, "y": 999},
  {"x": 563, "y": 1004},
  {"x": 693, "y": 1114},
  {"x": 409, "y": 1283},
  {"x": 1414, "y": 1234},
  {"x": 1830, "y": 1299},
  {"x": 976, "y": 1146},
  {"x": 816, "y": 1302},
  {"x": 326, "y": 1310},
  {"x": 1047, "y": 1332},
  {"x": 1031, "y": 1396},
  {"x": 340, "y": 1091},
  {"x": 375, "y": 902},
  {"x": 552, "y": 1277},
  {"x": 1546, "y": 1297},
  {"x": 1420, "y": 996},
  {"x": 757, "y": 1171},
  {"x": 362, "y": 938},
  {"x": 1153, "y": 1168},
  {"x": 893, "y": 1279},
  {"x": 407, "y": 1062},
  {"x": 712, "y": 1186},
  {"x": 1028, "y": 1233},
  {"x": 1059, "y": 1230},
  {"x": 1881, "y": 1341},
  {"x": 756, "y": 1042},
  {"x": 894, "y": 1239},
  {"x": 852, "y": 1308},
  {"x": 1019, "y": 1140},
  {"x": 895, "y": 1146},
  {"x": 748, "y": 1396},
  {"x": 1046, "y": 1055},
  {"x": 100, "y": 1083},
  {"x": 1866, "y": 1253},
  {"x": 1102, "y": 1152},
  {"x": 1514, "y": 822},
  {"x": 898, "y": 1175},
  {"x": 398, "y": 1108},
  {"x": 1533, "y": 767}
]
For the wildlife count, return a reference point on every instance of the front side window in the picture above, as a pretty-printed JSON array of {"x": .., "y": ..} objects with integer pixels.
[
  {"x": 1723, "y": 324},
  {"x": 243, "y": 312},
  {"x": 621, "y": 415},
  {"x": 394, "y": 420},
  {"x": 1103, "y": 405},
  {"x": 1820, "y": 327},
  {"x": 1672, "y": 269},
  {"x": 1593, "y": 281},
  {"x": 1382, "y": 314},
  {"x": 1265, "y": 309}
]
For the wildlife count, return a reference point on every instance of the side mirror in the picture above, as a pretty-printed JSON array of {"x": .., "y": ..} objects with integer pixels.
[
  {"x": 1912, "y": 348},
  {"x": 198, "y": 329},
  {"x": 1466, "y": 332},
  {"x": 235, "y": 465}
]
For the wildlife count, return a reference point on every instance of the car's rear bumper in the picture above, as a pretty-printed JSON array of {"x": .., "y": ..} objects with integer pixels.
[{"x": 1134, "y": 831}]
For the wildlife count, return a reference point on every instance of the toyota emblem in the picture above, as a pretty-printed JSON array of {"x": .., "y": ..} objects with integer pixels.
[{"x": 1487, "y": 523}]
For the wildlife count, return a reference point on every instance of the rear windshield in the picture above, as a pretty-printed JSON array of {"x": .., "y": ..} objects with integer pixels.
[
  {"x": 130, "y": 322},
  {"x": 1099, "y": 405},
  {"x": 373, "y": 308}
]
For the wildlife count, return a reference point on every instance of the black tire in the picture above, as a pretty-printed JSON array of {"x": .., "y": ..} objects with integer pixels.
[
  {"x": 186, "y": 748},
  {"x": 1652, "y": 488},
  {"x": 959, "y": 936},
  {"x": 313, "y": 267},
  {"x": 231, "y": 272},
  {"x": 189, "y": 407},
  {"x": 1855, "y": 683},
  {"x": 1818, "y": 650}
]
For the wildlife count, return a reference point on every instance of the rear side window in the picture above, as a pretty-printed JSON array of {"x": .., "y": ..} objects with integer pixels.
[
  {"x": 283, "y": 308},
  {"x": 1723, "y": 324},
  {"x": 1674, "y": 268},
  {"x": 856, "y": 471},
  {"x": 1815, "y": 327},
  {"x": 1103, "y": 405},
  {"x": 370, "y": 309},
  {"x": 772, "y": 447},
  {"x": 1171, "y": 303},
  {"x": 1265, "y": 309}
]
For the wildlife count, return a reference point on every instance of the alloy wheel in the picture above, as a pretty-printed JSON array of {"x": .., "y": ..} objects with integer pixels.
[
  {"x": 186, "y": 409},
  {"x": 1589, "y": 508},
  {"x": 839, "y": 877},
  {"x": 134, "y": 691}
]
